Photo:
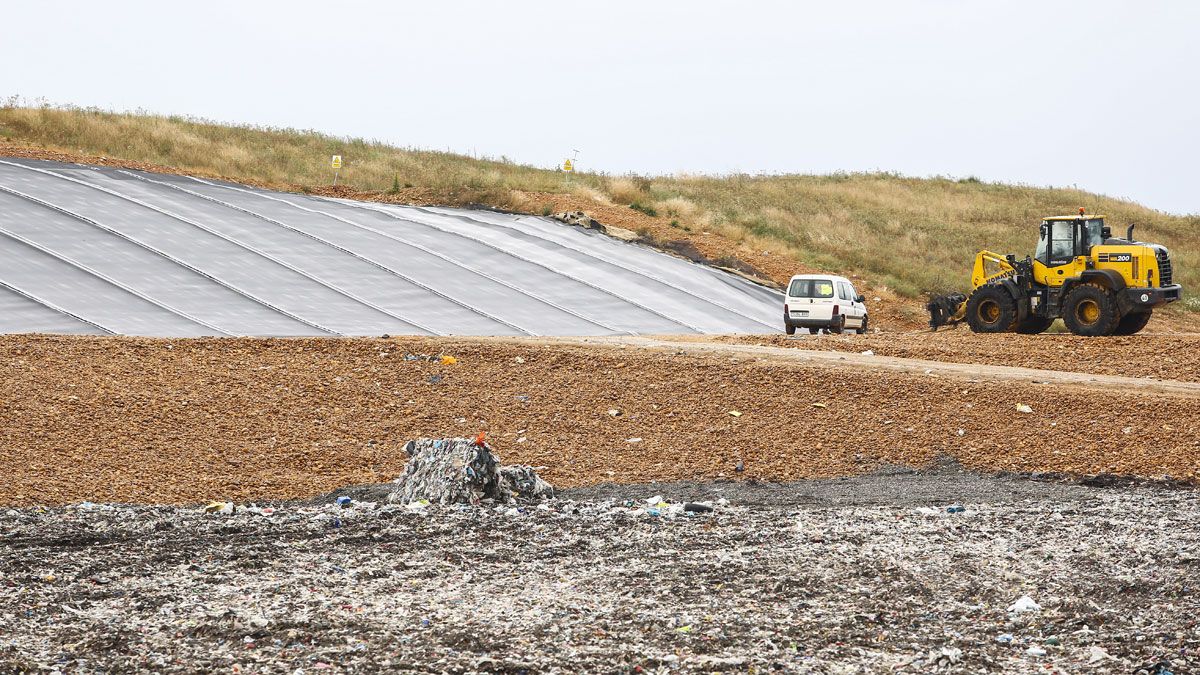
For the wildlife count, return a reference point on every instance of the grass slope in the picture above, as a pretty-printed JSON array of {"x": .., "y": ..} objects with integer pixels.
[{"x": 908, "y": 235}]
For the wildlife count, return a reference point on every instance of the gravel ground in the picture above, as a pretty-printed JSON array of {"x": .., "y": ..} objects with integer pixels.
[
  {"x": 871, "y": 574},
  {"x": 1164, "y": 357},
  {"x": 175, "y": 421}
]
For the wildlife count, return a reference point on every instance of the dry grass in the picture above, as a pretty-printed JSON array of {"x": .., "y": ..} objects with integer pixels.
[{"x": 912, "y": 235}]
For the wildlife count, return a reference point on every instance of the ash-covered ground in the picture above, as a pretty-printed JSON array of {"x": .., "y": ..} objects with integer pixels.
[{"x": 874, "y": 574}]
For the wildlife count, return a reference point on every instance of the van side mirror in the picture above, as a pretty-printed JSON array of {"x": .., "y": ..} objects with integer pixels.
[{"x": 861, "y": 298}]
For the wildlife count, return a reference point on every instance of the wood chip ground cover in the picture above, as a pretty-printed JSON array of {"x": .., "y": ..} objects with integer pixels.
[{"x": 187, "y": 421}]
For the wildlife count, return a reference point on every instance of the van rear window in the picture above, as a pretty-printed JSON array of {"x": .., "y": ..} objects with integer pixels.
[{"x": 811, "y": 288}]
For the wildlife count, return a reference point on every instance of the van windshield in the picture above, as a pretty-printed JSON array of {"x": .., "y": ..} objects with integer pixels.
[{"x": 811, "y": 288}]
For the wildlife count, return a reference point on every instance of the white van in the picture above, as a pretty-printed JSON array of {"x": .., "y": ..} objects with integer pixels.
[{"x": 816, "y": 301}]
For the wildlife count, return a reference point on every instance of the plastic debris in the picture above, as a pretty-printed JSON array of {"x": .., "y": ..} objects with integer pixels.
[
  {"x": 868, "y": 353},
  {"x": 820, "y": 405},
  {"x": 735, "y": 413},
  {"x": 344, "y": 501},
  {"x": 956, "y": 508},
  {"x": 1022, "y": 408},
  {"x": 1097, "y": 655},
  {"x": 462, "y": 471},
  {"x": 223, "y": 508},
  {"x": 1024, "y": 604},
  {"x": 1035, "y": 651},
  {"x": 635, "y": 439},
  {"x": 522, "y": 484}
]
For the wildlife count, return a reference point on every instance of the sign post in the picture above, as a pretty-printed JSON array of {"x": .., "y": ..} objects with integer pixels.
[{"x": 336, "y": 163}]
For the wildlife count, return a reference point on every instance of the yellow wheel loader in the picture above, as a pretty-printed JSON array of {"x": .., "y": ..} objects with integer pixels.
[{"x": 1096, "y": 283}]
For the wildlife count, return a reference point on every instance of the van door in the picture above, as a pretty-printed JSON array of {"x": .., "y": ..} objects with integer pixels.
[
  {"x": 850, "y": 308},
  {"x": 860, "y": 308}
]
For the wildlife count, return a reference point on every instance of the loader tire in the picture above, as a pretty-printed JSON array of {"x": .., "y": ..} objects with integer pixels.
[
  {"x": 1091, "y": 310},
  {"x": 1132, "y": 323},
  {"x": 1033, "y": 325},
  {"x": 990, "y": 309}
]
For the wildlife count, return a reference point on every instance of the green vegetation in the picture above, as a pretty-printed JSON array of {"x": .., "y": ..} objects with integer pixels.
[{"x": 910, "y": 234}]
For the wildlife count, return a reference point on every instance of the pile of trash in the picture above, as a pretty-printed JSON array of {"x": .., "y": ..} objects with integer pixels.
[{"x": 465, "y": 471}]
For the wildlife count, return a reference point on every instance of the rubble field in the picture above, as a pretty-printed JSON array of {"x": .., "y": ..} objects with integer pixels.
[
  {"x": 903, "y": 572},
  {"x": 1160, "y": 356},
  {"x": 154, "y": 421}
]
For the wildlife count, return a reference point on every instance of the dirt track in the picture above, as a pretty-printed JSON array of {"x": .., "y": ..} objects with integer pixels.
[
  {"x": 149, "y": 421},
  {"x": 1161, "y": 356}
]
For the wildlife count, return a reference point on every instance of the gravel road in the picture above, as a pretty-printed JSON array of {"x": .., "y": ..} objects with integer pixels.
[
  {"x": 872, "y": 574},
  {"x": 1161, "y": 356}
]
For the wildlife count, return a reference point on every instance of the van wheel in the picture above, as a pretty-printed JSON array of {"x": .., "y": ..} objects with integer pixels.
[
  {"x": 789, "y": 329},
  {"x": 862, "y": 330},
  {"x": 1091, "y": 310},
  {"x": 839, "y": 327},
  {"x": 814, "y": 331}
]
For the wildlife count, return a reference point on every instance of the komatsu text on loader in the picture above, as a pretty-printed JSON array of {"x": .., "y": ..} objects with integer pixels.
[{"x": 1098, "y": 284}]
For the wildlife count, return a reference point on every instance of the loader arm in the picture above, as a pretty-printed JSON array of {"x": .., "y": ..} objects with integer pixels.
[{"x": 981, "y": 275}]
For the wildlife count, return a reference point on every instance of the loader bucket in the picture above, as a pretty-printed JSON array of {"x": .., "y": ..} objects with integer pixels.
[{"x": 944, "y": 310}]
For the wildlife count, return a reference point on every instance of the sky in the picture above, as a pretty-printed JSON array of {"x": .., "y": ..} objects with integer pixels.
[{"x": 1104, "y": 96}]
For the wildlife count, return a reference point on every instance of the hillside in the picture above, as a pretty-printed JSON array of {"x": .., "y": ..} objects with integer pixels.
[{"x": 903, "y": 236}]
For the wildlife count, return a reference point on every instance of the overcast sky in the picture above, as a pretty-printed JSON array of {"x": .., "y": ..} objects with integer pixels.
[{"x": 1102, "y": 95}]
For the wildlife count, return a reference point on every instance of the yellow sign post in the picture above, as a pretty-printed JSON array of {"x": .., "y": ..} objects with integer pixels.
[
  {"x": 568, "y": 166},
  {"x": 336, "y": 163}
]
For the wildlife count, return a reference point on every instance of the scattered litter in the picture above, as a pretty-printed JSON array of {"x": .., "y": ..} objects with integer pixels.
[
  {"x": 1024, "y": 604},
  {"x": 344, "y": 501},
  {"x": 868, "y": 353},
  {"x": 1097, "y": 655},
  {"x": 633, "y": 440},
  {"x": 820, "y": 405},
  {"x": 223, "y": 508},
  {"x": 1035, "y": 651},
  {"x": 735, "y": 413},
  {"x": 955, "y": 509},
  {"x": 613, "y": 412},
  {"x": 519, "y": 359},
  {"x": 1022, "y": 408}
]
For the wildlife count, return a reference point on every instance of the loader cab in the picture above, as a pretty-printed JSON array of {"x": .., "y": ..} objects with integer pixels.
[{"x": 1063, "y": 239}]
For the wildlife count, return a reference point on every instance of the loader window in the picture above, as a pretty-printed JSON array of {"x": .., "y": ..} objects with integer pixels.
[
  {"x": 1093, "y": 233},
  {"x": 811, "y": 288},
  {"x": 1058, "y": 238}
]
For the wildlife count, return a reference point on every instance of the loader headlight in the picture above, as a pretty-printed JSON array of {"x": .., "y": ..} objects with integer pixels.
[{"x": 1145, "y": 297}]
